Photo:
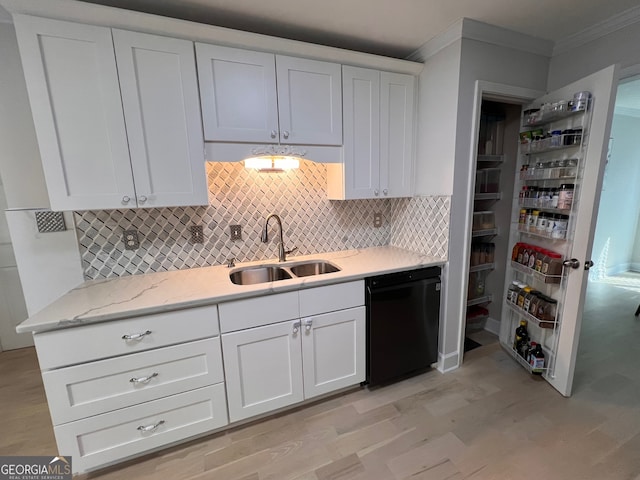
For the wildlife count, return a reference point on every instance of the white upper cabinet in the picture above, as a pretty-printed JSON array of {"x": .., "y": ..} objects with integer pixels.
[
  {"x": 259, "y": 97},
  {"x": 238, "y": 94},
  {"x": 159, "y": 88},
  {"x": 92, "y": 149},
  {"x": 378, "y": 154},
  {"x": 72, "y": 80}
]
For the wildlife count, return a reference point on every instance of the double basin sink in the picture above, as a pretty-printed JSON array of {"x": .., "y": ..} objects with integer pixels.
[{"x": 274, "y": 272}]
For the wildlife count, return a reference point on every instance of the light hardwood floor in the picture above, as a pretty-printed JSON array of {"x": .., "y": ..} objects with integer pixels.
[{"x": 487, "y": 420}]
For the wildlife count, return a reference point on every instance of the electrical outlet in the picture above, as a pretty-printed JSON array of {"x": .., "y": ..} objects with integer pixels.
[
  {"x": 236, "y": 232},
  {"x": 197, "y": 234},
  {"x": 130, "y": 239},
  {"x": 377, "y": 220}
]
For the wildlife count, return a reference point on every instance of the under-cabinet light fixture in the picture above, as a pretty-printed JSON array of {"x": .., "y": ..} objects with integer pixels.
[
  {"x": 274, "y": 158},
  {"x": 272, "y": 163}
]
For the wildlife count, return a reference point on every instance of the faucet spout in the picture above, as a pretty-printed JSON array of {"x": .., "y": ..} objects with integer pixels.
[{"x": 282, "y": 254}]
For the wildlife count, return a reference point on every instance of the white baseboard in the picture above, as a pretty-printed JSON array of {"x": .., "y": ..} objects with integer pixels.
[
  {"x": 492, "y": 325},
  {"x": 448, "y": 362}
]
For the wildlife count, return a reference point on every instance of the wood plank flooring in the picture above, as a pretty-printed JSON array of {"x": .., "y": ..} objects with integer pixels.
[{"x": 487, "y": 420}]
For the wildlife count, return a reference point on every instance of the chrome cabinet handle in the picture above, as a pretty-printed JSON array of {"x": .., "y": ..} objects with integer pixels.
[
  {"x": 136, "y": 336},
  {"x": 296, "y": 327},
  {"x": 274, "y": 133},
  {"x": 285, "y": 134},
  {"x": 146, "y": 379},
  {"x": 150, "y": 428},
  {"x": 126, "y": 199},
  {"x": 308, "y": 324},
  {"x": 142, "y": 198}
]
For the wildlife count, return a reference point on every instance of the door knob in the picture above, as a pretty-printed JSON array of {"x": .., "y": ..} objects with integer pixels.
[
  {"x": 588, "y": 264},
  {"x": 573, "y": 263}
]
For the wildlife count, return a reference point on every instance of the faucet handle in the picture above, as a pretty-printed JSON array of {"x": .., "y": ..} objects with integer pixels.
[
  {"x": 231, "y": 262},
  {"x": 291, "y": 251}
]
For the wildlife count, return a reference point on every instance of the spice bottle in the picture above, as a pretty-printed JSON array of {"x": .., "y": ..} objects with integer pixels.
[{"x": 565, "y": 196}]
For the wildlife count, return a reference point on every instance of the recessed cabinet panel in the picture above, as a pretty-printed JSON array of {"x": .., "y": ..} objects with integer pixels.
[
  {"x": 161, "y": 105},
  {"x": 309, "y": 101},
  {"x": 263, "y": 369},
  {"x": 333, "y": 346},
  {"x": 396, "y": 134},
  {"x": 238, "y": 94},
  {"x": 71, "y": 77}
]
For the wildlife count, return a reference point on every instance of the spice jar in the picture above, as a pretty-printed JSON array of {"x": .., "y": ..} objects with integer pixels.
[
  {"x": 532, "y": 220},
  {"x": 560, "y": 226},
  {"x": 552, "y": 265},
  {"x": 565, "y": 196}
]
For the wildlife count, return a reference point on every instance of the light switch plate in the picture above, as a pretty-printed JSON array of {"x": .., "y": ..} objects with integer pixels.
[
  {"x": 377, "y": 220},
  {"x": 236, "y": 232},
  {"x": 130, "y": 239}
]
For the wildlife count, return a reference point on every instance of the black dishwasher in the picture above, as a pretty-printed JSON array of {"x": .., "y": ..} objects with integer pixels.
[{"x": 403, "y": 312}]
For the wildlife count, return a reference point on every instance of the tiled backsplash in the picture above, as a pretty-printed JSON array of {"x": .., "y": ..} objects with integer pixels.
[{"x": 245, "y": 197}]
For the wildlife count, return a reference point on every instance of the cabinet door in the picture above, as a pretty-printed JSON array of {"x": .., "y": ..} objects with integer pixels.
[
  {"x": 162, "y": 112},
  {"x": 71, "y": 77},
  {"x": 361, "y": 133},
  {"x": 396, "y": 134},
  {"x": 333, "y": 347},
  {"x": 263, "y": 369},
  {"x": 309, "y": 101},
  {"x": 238, "y": 94}
]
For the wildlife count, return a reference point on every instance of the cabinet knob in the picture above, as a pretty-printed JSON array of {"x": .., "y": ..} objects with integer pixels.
[
  {"x": 126, "y": 200},
  {"x": 274, "y": 133},
  {"x": 307, "y": 324},
  {"x": 376, "y": 193},
  {"x": 385, "y": 191},
  {"x": 142, "y": 198},
  {"x": 296, "y": 327},
  {"x": 285, "y": 134}
]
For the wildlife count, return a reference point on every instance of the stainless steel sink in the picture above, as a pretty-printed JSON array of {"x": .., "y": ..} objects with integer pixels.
[
  {"x": 261, "y": 274},
  {"x": 318, "y": 267},
  {"x": 284, "y": 271}
]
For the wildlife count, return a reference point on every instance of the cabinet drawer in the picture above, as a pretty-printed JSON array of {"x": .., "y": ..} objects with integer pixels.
[
  {"x": 259, "y": 311},
  {"x": 98, "y": 387},
  {"x": 330, "y": 298},
  {"x": 92, "y": 342},
  {"x": 114, "y": 436}
]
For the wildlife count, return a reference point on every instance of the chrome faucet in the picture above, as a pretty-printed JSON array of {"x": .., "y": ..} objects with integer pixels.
[{"x": 282, "y": 253}]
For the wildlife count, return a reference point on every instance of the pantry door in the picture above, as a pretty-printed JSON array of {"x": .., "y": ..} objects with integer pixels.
[{"x": 582, "y": 223}]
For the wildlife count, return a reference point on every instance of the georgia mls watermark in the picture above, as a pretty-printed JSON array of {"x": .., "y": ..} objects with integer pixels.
[{"x": 35, "y": 468}]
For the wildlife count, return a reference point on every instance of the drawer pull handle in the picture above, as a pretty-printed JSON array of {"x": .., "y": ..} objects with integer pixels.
[
  {"x": 144, "y": 379},
  {"x": 150, "y": 428},
  {"x": 136, "y": 336}
]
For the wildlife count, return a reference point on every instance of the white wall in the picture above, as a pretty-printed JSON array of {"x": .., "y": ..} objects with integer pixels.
[
  {"x": 613, "y": 244},
  {"x": 618, "y": 47},
  {"x": 437, "y": 115}
]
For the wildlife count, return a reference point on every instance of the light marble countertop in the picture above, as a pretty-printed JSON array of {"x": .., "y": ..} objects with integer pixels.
[{"x": 117, "y": 298}]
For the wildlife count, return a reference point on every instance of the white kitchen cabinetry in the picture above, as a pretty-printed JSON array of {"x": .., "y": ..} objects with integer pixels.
[
  {"x": 95, "y": 154},
  {"x": 378, "y": 153},
  {"x": 259, "y": 97},
  {"x": 289, "y": 360},
  {"x": 149, "y": 381}
]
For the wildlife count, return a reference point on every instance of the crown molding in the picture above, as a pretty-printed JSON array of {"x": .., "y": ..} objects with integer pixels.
[
  {"x": 597, "y": 30},
  {"x": 470, "y": 29}
]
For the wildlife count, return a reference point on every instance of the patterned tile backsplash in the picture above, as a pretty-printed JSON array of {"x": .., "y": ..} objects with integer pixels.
[{"x": 245, "y": 197}]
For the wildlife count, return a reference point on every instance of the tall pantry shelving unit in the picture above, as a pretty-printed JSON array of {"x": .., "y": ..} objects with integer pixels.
[{"x": 545, "y": 163}]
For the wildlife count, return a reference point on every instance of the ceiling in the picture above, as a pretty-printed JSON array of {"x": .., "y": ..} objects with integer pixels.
[{"x": 393, "y": 28}]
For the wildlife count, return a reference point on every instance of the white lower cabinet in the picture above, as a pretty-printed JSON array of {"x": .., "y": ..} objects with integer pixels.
[
  {"x": 333, "y": 351},
  {"x": 263, "y": 366},
  {"x": 114, "y": 436},
  {"x": 285, "y": 362}
]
